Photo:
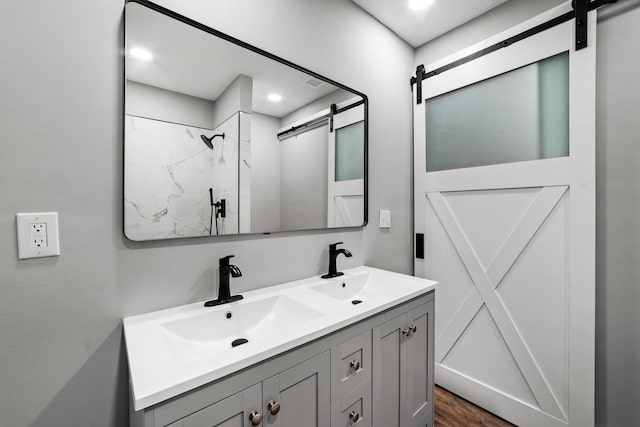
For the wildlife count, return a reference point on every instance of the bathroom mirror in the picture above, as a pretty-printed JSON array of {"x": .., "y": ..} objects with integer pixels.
[{"x": 222, "y": 138}]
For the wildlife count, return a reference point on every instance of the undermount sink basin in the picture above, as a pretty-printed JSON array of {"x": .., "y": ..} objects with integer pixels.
[
  {"x": 344, "y": 287},
  {"x": 356, "y": 288},
  {"x": 251, "y": 320}
]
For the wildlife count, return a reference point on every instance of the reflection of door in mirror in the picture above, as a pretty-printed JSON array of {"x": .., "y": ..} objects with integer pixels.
[
  {"x": 345, "y": 201},
  {"x": 308, "y": 164}
]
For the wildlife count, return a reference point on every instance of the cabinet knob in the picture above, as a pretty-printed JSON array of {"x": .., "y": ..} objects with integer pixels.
[
  {"x": 355, "y": 365},
  {"x": 413, "y": 328},
  {"x": 255, "y": 417},
  {"x": 406, "y": 332},
  {"x": 355, "y": 417},
  {"x": 273, "y": 407}
]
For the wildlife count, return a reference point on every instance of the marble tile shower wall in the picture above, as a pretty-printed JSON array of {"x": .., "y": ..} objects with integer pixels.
[
  {"x": 225, "y": 174},
  {"x": 245, "y": 172},
  {"x": 168, "y": 173}
]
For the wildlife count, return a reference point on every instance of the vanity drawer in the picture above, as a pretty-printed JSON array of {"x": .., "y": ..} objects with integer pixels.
[
  {"x": 353, "y": 408},
  {"x": 351, "y": 364}
]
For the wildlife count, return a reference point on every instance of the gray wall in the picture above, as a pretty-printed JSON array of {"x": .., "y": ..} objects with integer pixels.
[
  {"x": 499, "y": 19},
  {"x": 303, "y": 180},
  {"x": 617, "y": 198},
  {"x": 62, "y": 360},
  {"x": 154, "y": 103},
  {"x": 618, "y": 227},
  {"x": 236, "y": 97},
  {"x": 265, "y": 173},
  {"x": 316, "y": 106}
]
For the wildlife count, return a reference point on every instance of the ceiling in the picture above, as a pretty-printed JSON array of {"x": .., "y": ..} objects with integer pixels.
[
  {"x": 193, "y": 62},
  {"x": 190, "y": 61},
  {"x": 417, "y": 28}
]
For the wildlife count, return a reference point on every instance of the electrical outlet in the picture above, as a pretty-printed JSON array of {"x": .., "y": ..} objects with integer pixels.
[
  {"x": 37, "y": 235},
  {"x": 385, "y": 219}
]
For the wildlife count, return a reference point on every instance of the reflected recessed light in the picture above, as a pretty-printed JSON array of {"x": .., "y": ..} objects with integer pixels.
[
  {"x": 419, "y": 4},
  {"x": 274, "y": 97},
  {"x": 142, "y": 54}
]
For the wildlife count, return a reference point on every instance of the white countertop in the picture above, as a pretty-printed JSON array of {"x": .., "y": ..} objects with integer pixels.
[{"x": 176, "y": 350}]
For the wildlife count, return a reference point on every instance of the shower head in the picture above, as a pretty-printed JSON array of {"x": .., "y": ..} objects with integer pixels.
[{"x": 209, "y": 141}]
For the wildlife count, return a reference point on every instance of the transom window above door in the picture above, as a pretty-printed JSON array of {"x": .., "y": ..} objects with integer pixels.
[{"x": 516, "y": 116}]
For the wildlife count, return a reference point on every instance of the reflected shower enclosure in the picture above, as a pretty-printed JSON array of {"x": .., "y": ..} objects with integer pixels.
[{"x": 176, "y": 173}]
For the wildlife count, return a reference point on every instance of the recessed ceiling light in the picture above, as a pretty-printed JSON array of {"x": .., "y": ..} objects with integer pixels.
[
  {"x": 274, "y": 97},
  {"x": 141, "y": 54},
  {"x": 419, "y": 4}
]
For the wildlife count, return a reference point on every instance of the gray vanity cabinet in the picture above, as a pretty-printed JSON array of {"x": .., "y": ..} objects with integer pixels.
[
  {"x": 403, "y": 370},
  {"x": 376, "y": 372},
  {"x": 302, "y": 393}
]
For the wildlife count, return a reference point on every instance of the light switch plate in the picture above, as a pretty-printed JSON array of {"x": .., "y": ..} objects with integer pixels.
[
  {"x": 385, "y": 218},
  {"x": 37, "y": 235}
]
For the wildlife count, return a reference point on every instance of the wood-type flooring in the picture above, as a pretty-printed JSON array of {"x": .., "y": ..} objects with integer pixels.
[{"x": 454, "y": 411}]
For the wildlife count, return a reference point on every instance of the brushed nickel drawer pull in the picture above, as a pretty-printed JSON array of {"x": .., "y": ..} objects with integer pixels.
[
  {"x": 255, "y": 417},
  {"x": 273, "y": 407}
]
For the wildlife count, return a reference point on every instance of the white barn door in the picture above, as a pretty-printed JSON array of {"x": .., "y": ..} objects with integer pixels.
[
  {"x": 510, "y": 236},
  {"x": 345, "y": 186}
]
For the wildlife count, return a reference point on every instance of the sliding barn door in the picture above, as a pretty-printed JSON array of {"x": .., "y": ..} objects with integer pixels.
[
  {"x": 505, "y": 197},
  {"x": 345, "y": 187}
]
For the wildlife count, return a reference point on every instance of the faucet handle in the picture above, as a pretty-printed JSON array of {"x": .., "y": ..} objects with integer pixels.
[
  {"x": 224, "y": 261},
  {"x": 333, "y": 246}
]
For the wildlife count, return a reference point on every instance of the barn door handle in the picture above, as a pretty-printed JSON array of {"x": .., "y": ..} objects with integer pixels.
[{"x": 420, "y": 245}]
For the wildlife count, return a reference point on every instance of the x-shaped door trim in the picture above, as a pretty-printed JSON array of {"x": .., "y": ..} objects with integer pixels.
[{"x": 486, "y": 281}]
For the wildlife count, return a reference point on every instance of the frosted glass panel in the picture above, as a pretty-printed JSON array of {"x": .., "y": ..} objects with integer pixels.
[
  {"x": 517, "y": 116},
  {"x": 350, "y": 152}
]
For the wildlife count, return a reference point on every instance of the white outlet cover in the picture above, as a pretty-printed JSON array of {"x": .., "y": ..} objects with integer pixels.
[{"x": 26, "y": 220}]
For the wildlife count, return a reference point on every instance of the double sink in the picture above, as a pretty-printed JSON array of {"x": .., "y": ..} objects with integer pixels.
[
  {"x": 175, "y": 350},
  {"x": 260, "y": 318}
]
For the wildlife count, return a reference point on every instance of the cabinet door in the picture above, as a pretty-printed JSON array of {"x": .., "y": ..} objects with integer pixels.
[
  {"x": 419, "y": 399},
  {"x": 389, "y": 373},
  {"x": 303, "y": 393},
  {"x": 231, "y": 412}
]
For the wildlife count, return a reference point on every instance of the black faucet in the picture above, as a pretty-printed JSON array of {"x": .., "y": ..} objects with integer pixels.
[
  {"x": 224, "y": 293},
  {"x": 333, "y": 254}
]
